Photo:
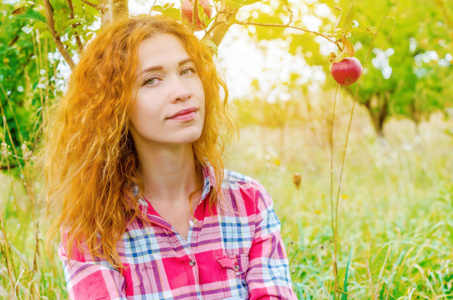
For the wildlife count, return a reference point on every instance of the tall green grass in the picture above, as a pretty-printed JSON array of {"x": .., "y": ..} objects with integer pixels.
[{"x": 395, "y": 213}]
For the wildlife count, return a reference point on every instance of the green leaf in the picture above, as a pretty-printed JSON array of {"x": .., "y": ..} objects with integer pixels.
[
  {"x": 360, "y": 30},
  {"x": 203, "y": 16},
  {"x": 169, "y": 5},
  {"x": 248, "y": 2},
  {"x": 89, "y": 36},
  {"x": 75, "y": 21},
  {"x": 235, "y": 3},
  {"x": 168, "y": 11},
  {"x": 31, "y": 14},
  {"x": 40, "y": 26},
  {"x": 345, "y": 284},
  {"x": 211, "y": 45},
  {"x": 45, "y": 34},
  {"x": 240, "y": 3},
  {"x": 60, "y": 6},
  {"x": 206, "y": 20}
]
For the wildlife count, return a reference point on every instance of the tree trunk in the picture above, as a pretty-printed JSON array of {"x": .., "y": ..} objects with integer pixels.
[
  {"x": 222, "y": 24},
  {"x": 416, "y": 107},
  {"x": 113, "y": 10},
  {"x": 378, "y": 109}
]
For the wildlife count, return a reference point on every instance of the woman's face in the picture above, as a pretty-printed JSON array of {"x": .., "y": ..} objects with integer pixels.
[{"x": 170, "y": 104}]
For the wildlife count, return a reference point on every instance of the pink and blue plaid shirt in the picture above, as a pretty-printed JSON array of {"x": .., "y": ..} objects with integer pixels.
[{"x": 233, "y": 251}]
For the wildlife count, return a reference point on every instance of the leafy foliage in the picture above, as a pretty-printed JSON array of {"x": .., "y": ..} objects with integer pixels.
[
  {"x": 409, "y": 70},
  {"x": 27, "y": 81},
  {"x": 28, "y": 76}
]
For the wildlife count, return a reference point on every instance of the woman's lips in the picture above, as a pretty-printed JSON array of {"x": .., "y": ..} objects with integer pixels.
[
  {"x": 185, "y": 117},
  {"x": 184, "y": 114}
]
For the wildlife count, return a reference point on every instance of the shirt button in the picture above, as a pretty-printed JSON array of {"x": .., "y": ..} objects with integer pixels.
[
  {"x": 192, "y": 263},
  {"x": 236, "y": 268}
]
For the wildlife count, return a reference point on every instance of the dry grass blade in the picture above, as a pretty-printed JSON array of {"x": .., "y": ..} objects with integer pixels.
[
  {"x": 370, "y": 279},
  {"x": 17, "y": 283},
  {"x": 381, "y": 272}
]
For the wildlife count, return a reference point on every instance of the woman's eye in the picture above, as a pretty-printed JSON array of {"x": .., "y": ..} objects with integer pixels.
[
  {"x": 187, "y": 71},
  {"x": 150, "y": 81}
]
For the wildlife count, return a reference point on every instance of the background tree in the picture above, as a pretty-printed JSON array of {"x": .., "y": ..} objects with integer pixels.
[{"x": 416, "y": 56}]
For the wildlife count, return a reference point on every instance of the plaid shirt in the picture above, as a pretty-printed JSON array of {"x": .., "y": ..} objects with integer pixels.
[{"x": 232, "y": 251}]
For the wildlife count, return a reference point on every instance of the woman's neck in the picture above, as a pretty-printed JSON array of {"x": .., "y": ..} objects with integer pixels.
[{"x": 169, "y": 173}]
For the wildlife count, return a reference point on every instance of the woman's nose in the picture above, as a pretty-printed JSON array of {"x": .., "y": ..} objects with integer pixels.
[{"x": 179, "y": 89}]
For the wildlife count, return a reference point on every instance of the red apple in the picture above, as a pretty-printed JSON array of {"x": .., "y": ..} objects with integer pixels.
[
  {"x": 187, "y": 8},
  {"x": 347, "y": 71}
]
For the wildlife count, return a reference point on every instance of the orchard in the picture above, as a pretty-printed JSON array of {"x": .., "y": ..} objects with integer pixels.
[{"x": 354, "y": 145}]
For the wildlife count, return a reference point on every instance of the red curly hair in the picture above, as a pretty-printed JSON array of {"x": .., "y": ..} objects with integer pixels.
[{"x": 88, "y": 156}]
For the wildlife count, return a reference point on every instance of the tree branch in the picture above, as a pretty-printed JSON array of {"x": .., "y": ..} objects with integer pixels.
[
  {"x": 449, "y": 21},
  {"x": 447, "y": 17},
  {"x": 14, "y": 40},
  {"x": 113, "y": 10},
  {"x": 222, "y": 23},
  {"x": 91, "y": 4},
  {"x": 194, "y": 15},
  {"x": 56, "y": 37},
  {"x": 289, "y": 26},
  {"x": 290, "y": 13},
  {"x": 74, "y": 26},
  {"x": 7, "y": 168}
]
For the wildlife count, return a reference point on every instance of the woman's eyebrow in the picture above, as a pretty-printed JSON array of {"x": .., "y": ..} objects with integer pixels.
[{"x": 158, "y": 68}]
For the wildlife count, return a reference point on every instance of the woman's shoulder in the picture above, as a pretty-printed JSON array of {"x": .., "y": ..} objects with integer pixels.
[
  {"x": 233, "y": 179},
  {"x": 243, "y": 191}
]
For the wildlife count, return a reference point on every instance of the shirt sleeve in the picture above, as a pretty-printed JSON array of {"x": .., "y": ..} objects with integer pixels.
[
  {"x": 87, "y": 279},
  {"x": 268, "y": 275}
]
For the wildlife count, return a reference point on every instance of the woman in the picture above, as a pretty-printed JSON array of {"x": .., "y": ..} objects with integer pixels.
[{"x": 136, "y": 183}]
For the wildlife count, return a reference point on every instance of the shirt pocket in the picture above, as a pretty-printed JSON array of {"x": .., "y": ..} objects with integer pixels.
[{"x": 236, "y": 267}]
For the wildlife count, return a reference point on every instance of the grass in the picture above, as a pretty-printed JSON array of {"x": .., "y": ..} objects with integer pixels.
[
  {"x": 395, "y": 217},
  {"x": 395, "y": 213}
]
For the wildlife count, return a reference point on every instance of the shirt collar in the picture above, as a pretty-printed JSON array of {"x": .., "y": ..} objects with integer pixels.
[{"x": 209, "y": 181}]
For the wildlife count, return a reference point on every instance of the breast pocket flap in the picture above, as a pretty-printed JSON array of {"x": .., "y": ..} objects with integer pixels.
[{"x": 237, "y": 263}]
